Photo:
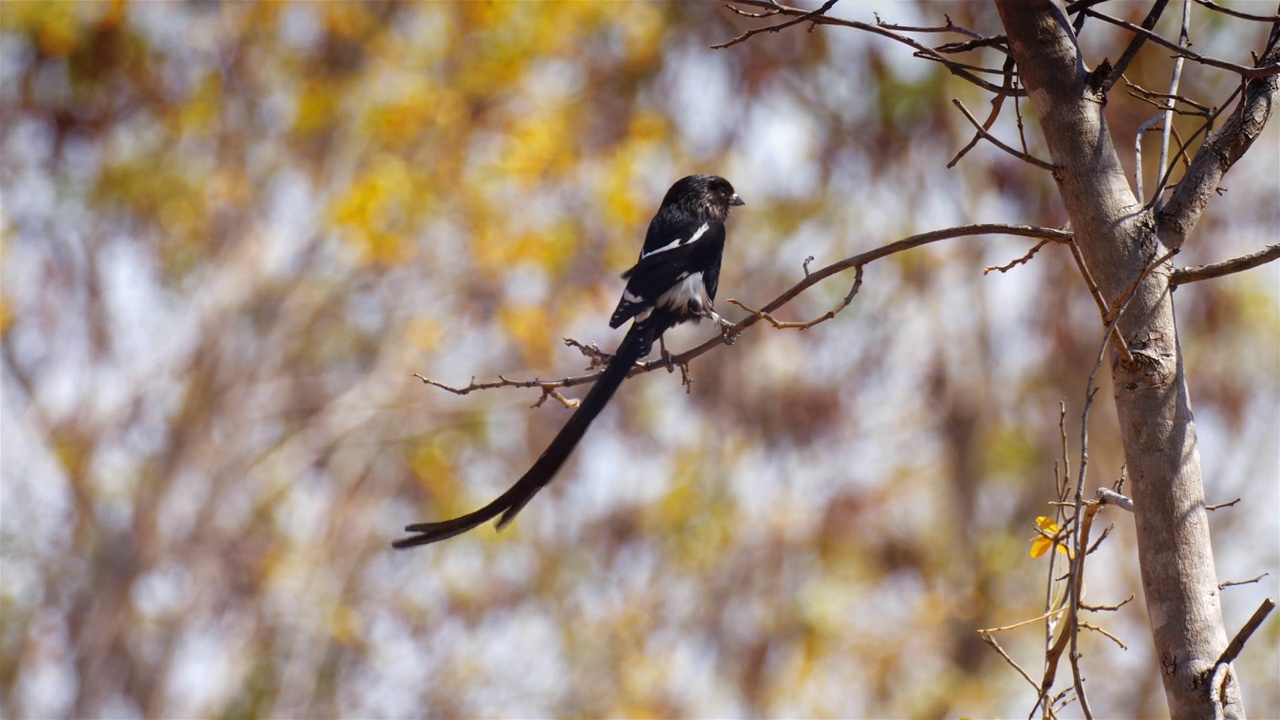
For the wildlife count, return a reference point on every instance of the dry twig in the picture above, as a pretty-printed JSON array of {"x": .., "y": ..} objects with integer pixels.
[
  {"x": 1181, "y": 276},
  {"x": 1233, "y": 583}
]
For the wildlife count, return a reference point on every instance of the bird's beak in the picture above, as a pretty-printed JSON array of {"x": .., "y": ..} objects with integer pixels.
[{"x": 735, "y": 201}]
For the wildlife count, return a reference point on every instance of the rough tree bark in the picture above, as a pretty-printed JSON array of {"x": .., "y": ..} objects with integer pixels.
[{"x": 1119, "y": 238}]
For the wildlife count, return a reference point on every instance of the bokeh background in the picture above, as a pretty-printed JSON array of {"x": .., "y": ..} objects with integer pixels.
[{"x": 231, "y": 233}]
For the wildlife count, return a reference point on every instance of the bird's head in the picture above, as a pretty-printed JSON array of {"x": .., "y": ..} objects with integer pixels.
[{"x": 710, "y": 194}]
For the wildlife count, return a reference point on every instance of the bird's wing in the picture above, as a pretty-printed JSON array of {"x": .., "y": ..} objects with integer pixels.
[{"x": 663, "y": 268}]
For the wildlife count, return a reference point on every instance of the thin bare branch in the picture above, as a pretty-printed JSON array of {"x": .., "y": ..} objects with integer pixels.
[
  {"x": 1151, "y": 96},
  {"x": 1181, "y": 276},
  {"x": 1236, "y": 13},
  {"x": 1095, "y": 628},
  {"x": 785, "y": 325},
  {"x": 1101, "y": 302},
  {"x": 1108, "y": 608},
  {"x": 1135, "y": 44},
  {"x": 1137, "y": 153},
  {"x": 996, "y": 646},
  {"x": 592, "y": 352},
  {"x": 801, "y": 15},
  {"x": 1218, "y": 683},
  {"x": 1184, "y": 39},
  {"x": 997, "y": 103},
  {"x": 996, "y": 42},
  {"x": 772, "y": 8},
  {"x": 1023, "y": 623},
  {"x": 1222, "y": 505},
  {"x": 1020, "y": 261},
  {"x": 1106, "y": 532},
  {"x": 998, "y": 143},
  {"x": 950, "y": 27},
  {"x": 1233, "y": 583},
  {"x": 1236, "y": 645},
  {"x": 1243, "y": 71}
]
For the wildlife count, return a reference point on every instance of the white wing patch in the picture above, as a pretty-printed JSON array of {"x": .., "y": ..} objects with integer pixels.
[{"x": 678, "y": 241}]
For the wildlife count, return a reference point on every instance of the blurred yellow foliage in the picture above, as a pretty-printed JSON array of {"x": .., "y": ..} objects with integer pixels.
[
  {"x": 348, "y": 19},
  {"x": 345, "y": 624},
  {"x": 539, "y": 147},
  {"x": 420, "y": 109},
  {"x": 317, "y": 105},
  {"x": 59, "y": 28},
  {"x": 199, "y": 115},
  {"x": 527, "y": 325},
  {"x": 378, "y": 209},
  {"x": 432, "y": 467},
  {"x": 425, "y": 332},
  {"x": 497, "y": 251}
]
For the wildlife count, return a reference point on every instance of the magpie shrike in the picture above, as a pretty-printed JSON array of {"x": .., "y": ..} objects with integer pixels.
[{"x": 674, "y": 281}]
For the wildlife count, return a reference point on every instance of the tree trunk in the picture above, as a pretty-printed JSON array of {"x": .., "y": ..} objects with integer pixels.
[{"x": 1118, "y": 239}]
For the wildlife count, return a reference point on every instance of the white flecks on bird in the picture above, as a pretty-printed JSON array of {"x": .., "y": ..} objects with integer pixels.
[{"x": 679, "y": 241}]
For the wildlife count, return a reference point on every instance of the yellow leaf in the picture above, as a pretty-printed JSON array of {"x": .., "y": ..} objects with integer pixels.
[{"x": 1043, "y": 540}]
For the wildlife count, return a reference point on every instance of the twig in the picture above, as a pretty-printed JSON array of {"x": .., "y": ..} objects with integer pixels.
[
  {"x": 1220, "y": 150},
  {"x": 784, "y": 325},
  {"x": 592, "y": 352},
  {"x": 571, "y": 403},
  {"x": 1107, "y": 608},
  {"x": 1181, "y": 276},
  {"x": 1135, "y": 44},
  {"x": 1184, "y": 39},
  {"x": 1095, "y": 628},
  {"x": 1020, "y": 261},
  {"x": 1236, "y": 645},
  {"x": 995, "y": 42},
  {"x": 1236, "y": 13},
  {"x": 1222, "y": 505},
  {"x": 1101, "y": 302},
  {"x": 949, "y": 27},
  {"x": 1023, "y": 623},
  {"x": 996, "y": 141},
  {"x": 1233, "y": 583},
  {"x": 1243, "y": 71},
  {"x": 997, "y": 102},
  {"x": 802, "y": 15},
  {"x": 1218, "y": 683},
  {"x": 770, "y": 11},
  {"x": 996, "y": 646},
  {"x": 1137, "y": 91},
  {"x": 1106, "y": 532},
  {"x": 686, "y": 380},
  {"x": 1137, "y": 152}
]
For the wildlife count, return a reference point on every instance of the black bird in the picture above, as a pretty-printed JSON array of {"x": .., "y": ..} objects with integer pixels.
[{"x": 674, "y": 281}]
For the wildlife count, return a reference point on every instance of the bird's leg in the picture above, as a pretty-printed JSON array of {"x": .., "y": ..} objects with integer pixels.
[
  {"x": 667, "y": 357},
  {"x": 723, "y": 324}
]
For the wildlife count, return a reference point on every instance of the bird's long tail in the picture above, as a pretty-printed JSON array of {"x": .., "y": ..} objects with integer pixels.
[{"x": 635, "y": 345}]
